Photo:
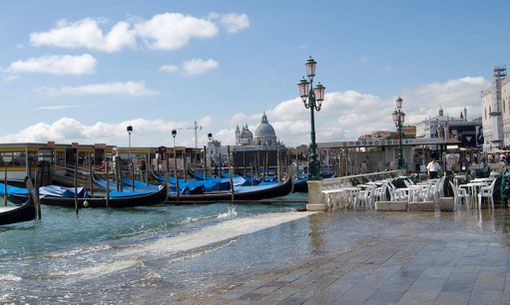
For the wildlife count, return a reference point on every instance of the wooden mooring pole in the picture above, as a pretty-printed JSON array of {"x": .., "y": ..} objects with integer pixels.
[
  {"x": 107, "y": 183},
  {"x": 205, "y": 162},
  {"x": 185, "y": 165},
  {"x": 132, "y": 177},
  {"x": 91, "y": 179},
  {"x": 75, "y": 187},
  {"x": 244, "y": 163},
  {"x": 176, "y": 176},
  {"x": 5, "y": 184},
  {"x": 230, "y": 172},
  {"x": 147, "y": 164},
  {"x": 251, "y": 173},
  {"x": 36, "y": 193}
]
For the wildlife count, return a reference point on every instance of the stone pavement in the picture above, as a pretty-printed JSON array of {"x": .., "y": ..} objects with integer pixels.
[{"x": 399, "y": 258}]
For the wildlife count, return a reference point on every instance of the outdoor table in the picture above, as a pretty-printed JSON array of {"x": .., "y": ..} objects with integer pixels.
[
  {"x": 473, "y": 189},
  {"x": 350, "y": 192},
  {"x": 412, "y": 190}
]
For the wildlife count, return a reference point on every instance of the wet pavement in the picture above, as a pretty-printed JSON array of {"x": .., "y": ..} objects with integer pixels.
[{"x": 369, "y": 257}]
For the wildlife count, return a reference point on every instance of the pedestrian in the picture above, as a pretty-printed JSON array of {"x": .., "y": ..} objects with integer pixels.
[{"x": 433, "y": 169}]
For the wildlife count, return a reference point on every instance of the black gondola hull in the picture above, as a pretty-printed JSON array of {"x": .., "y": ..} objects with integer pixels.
[
  {"x": 279, "y": 190},
  {"x": 25, "y": 212},
  {"x": 114, "y": 202},
  {"x": 301, "y": 187}
]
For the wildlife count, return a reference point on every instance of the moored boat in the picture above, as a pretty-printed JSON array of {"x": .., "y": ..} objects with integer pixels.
[
  {"x": 15, "y": 214},
  {"x": 116, "y": 200},
  {"x": 240, "y": 193}
]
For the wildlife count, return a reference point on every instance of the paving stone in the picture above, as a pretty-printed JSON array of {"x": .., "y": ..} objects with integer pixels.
[
  {"x": 417, "y": 296},
  {"x": 452, "y": 298}
]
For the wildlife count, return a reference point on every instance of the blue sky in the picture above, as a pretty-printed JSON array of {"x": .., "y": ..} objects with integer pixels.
[{"x": 82, "y": 72}]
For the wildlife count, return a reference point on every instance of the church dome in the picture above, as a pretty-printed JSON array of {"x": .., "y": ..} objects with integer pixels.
[
  {"x": 246, "y": 133},
  {"x": 264, "y": 129}
]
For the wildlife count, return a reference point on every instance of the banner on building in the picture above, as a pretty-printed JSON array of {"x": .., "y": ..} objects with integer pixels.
[{"x": 469, "y": 136}]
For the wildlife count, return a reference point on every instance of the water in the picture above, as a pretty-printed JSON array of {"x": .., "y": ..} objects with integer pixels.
[{"x": 141, "y": 254}]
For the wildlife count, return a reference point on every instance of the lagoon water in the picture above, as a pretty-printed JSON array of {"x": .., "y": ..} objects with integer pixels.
[{"x": 153, "y": 254}]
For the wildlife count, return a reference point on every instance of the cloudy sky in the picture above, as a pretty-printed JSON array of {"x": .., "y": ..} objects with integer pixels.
[{"x": 83, "y": 71}]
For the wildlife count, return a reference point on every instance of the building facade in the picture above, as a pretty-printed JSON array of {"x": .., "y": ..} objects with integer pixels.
[
  {"x": 496, "y": 112},
  {"x": 469, "y": 133}
]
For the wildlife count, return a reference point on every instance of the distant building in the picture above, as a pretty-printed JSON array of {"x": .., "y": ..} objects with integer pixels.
[
  {"x": 496, "y": 111},
  {"x": 248, "y": 148},
  {"x": 265, "y": 137},
  {"x": 376, "y": 135},
  {"x": 448, "y": 127}
]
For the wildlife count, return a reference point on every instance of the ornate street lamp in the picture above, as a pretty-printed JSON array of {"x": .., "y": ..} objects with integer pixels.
[
  {"x": 399, "y": 118},
  {"x": 129, "y": 130},
  {"x": 174, "y": 133},
  {"x": 312, "y": 99}
]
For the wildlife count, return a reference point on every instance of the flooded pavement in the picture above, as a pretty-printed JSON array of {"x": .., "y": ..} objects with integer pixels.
[{"x": 369, "y": 257}]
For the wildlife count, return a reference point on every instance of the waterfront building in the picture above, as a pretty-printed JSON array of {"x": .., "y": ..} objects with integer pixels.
[
  {"x": 447, "y": 127},
  {"x": 496, "y": 111},
  {"x": 249, "y": 147}
]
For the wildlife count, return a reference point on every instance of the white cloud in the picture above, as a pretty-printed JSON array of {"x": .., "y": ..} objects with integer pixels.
[
  {"x": 58, "y": 107},
  {"x": 169, "y": 68},
  {"x": 350, "y": 114},
  {"x": 55, "y": 64},
  {"x": 67, "y": 130},
  {"x": 363, "y": 60},
  {"x": 86, "y": 33},
  {"x": 452, "y": 95},
  {"x": 167, "y": 31},
  {"x": 116, "y": 88},
  {"x": 344, "y": 116},
  {"x": 171, "y": 31},
  {"x": 235, "y": 22},
  {"x": 198, "y": 66},
  {"x": 194, "y": 66}
]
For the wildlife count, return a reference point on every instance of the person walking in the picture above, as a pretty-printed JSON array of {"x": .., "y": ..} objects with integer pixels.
[{"x": 433, "y": 169}]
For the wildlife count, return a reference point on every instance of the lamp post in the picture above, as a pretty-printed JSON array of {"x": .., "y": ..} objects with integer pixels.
[
  {"x": 399, "y": 118},
  {"x": 312, "y": 99},
  {"x": 174, "y": 133},
  {"x": 177, "y": 190},
  {"x": 129, "y": 130}
]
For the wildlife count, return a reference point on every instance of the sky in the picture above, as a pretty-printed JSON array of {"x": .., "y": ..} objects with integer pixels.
[{"x": 82, "y": 72}]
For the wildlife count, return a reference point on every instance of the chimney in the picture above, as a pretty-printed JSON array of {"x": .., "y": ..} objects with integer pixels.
[{"x": 465, "y": 113}]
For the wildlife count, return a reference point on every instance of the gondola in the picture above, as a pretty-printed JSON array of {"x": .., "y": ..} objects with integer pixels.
[
  {"x": 301, "y": 186},
  {"x": 14, "y": 214},
  {"x": 117, "y": 200},
  {"x": 243, "y": 193}
]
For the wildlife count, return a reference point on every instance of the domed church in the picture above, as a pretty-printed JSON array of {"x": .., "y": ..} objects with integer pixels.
[{"x": 265, "y": 135}]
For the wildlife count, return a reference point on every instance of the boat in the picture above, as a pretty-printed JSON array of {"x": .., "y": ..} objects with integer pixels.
[
  {"x": 301, "y": 186},
  {"x": 258, "y": 192},
  {"x": 15, "y": 214},
  {"x": 116, "y": 200}
]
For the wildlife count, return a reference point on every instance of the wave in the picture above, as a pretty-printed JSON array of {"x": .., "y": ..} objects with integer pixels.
[{"x": 4, "y": 278}]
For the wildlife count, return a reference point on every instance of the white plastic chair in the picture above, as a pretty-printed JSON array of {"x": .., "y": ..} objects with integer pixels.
[
  {"x": 487, "y": 192},
  {"x": 365, "y": 196},
  {"x": 459, "y": 194},
  {"x": 436, "y": 190}
]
